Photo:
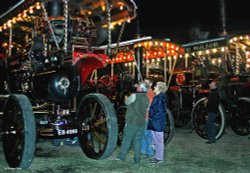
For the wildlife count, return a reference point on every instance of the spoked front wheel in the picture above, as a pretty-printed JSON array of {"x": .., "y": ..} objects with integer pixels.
[
  {"x": 19, "y": 131},
  {"x": 98, "y": 126},
  {"x": 199, "y": 118}
]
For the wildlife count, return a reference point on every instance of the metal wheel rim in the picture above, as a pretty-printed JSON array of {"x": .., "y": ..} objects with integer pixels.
[
  {"x": 198, "y": 120},
  {"x": 99, "y": 130}
]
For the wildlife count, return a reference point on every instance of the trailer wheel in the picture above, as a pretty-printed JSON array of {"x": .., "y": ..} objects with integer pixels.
[
  {"x": 170, "y": 128},
  {"x": 19, "y": 131},
  {"x": 199, "y": 118},
  {"x": 240, "y": 117},
  {"x": 168, "y": 133},
  {"x": 98, "y": 126},
  {"x": 121, "y": 112}
]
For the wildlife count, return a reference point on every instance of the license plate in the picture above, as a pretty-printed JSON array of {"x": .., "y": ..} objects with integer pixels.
[{"x": 67, "y": 132}]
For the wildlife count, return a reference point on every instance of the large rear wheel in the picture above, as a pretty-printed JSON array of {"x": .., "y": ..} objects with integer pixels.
[
  {"x": 98, "y": 126},
  {"x": 240, "y": 117},
  {"x": 19, "y": 131},
  {"x": 199, "y": 118}
]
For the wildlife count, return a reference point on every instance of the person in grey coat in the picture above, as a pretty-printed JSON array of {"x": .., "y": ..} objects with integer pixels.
[{"x": 134, "y": 122}]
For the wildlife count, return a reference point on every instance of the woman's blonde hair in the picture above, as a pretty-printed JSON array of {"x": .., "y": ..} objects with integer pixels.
[{"x": 162, "y": 87}]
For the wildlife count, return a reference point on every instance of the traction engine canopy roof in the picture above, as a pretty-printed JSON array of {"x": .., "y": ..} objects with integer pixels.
[
  {"x": 232, "y": 50},
  {"x": 21, "y": 16},
  {"x": 152, "y": 48}
]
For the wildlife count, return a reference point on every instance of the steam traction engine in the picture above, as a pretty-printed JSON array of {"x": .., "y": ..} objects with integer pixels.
[
  {"x": 41, "y": 79},
  {"x": 225, "y": 59}
]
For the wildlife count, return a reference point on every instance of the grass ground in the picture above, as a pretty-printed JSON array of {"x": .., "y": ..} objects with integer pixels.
[{"x": 185, "y": 154}]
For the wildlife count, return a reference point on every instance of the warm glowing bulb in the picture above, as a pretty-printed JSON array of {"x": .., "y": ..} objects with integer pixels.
[
  {"x": 38, "y": 7},
  {"x": 5, "y": 44},
  {"x": 121, "y": 7},
  {"x": 103, "y": 8},
  {"x": 111, "y": 26},
  {"x": 9, "y": 24},
  {"x": 24, "y": 14},
  {"x": 31, "y": 11},
  {"x": 14, "y": 20}
]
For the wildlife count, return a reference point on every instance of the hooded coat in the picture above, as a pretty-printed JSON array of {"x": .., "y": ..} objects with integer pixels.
[{"x": 157, "y": 113}]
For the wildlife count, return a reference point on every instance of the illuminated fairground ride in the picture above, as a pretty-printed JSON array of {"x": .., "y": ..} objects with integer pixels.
[
  {"x": 41, "y": 78},
  {"x": 134, "y": 60},
  {"x": 226, "y": 59}
]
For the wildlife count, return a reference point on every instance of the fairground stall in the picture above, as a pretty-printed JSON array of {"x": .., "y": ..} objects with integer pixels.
[
  {"x": 226, "y": 59},
  {"x": 41, "y": 78}
]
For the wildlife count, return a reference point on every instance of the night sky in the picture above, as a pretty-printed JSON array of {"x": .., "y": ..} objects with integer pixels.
[
  {"x": 181, "y": 20},
  {"x": 176, "y": 19},
  {"x": 6, "y": 4}
]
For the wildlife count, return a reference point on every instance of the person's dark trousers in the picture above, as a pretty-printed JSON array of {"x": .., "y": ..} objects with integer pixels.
[
  {"x": 132, "y": 133},
  {"x": 210, "y": 126}
]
